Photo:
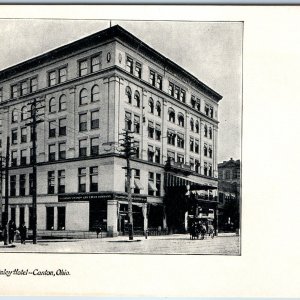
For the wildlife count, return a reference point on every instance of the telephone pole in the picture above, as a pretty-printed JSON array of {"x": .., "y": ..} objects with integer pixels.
[
  {"x": 6, "y": 229},
  {"x": 128, "y": 151},
  {"x": 33, "y": 125}
]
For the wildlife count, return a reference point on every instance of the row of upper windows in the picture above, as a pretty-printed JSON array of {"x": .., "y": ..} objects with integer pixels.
[{"x": 156, "y": 80}]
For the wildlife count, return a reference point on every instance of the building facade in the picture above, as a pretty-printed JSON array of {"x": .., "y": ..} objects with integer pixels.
[
  {"x": 89, "y": 91},
  {"x": 229, "y": 194}
]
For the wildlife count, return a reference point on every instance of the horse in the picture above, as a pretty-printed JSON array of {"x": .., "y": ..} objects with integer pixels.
[
  {"x": 202, "y": 231},
  {"x": 194, "y": 232}
]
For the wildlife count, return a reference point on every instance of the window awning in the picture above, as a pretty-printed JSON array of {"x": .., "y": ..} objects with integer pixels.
[
  {"x": 138, "y": 184},
  {"x": 151, "y": 186}
]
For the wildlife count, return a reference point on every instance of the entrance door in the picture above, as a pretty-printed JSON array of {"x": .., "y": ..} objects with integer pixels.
[{"x": 49, "y": 218}]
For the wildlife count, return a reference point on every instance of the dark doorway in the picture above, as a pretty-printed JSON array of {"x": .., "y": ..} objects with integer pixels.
[
  {"x": 98, "y": 214},
  {"x": 49, "y": 218},
  {"x": 61, "y": 218}
]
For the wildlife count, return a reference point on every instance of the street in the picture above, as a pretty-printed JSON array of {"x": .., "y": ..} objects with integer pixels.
[{"x": 224, "y": 244}]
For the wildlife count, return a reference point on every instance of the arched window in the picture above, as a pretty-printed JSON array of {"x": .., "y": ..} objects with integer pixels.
[
  {"x": 14, "y": 116},
  {"x": 52, "y": 105},
  {"x": 151, "y": 106},
  {"x": 128, "y": 94},
  {"x": 83, "y": 97},
  {"x": 192, "y": 124},
  {"x": 137, "y": 99},
  {"x": 95, "y": 95},
  {"x": 205, "y": 150},
  {"x": 197, "y": 126},
  {"x": 205, "y": 130},
  {"x": 62, "y": 104},
  {"x": 158, "y": 109},
  {"x": 171, "y": 114},
  {"x": 210, "y": 133},
  {"x": 24, "y": 113},
  {"x": 180, "y": 120}
]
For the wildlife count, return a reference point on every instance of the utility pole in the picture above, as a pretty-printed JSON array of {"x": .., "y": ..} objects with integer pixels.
[
  {"x": 1, "y": 183},
  {"x": 6, "y": 229},
  {"x": 128, "y": 150},
  {"x": 33, "y": 125}
]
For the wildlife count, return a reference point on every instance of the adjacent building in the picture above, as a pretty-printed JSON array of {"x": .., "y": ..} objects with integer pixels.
[{"x": 89, "y": 91}]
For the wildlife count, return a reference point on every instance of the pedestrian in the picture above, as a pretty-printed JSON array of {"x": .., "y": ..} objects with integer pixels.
[
  {"x": 98, "y": 230},
  {"x": 12, "y": 231},
  {"x": 23, "y": 233}
]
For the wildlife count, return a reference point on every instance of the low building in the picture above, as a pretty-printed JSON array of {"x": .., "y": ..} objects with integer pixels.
[{"x": 90, "y": 91}]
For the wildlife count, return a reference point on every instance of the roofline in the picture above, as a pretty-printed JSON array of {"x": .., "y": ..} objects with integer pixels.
[{"x": 112, "y": 32}]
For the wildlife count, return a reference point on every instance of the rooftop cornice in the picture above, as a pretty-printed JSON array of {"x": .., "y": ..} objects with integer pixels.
[{"x": 101, "y": 36}]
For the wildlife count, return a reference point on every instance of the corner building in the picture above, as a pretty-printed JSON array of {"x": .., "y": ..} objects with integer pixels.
[{"x": 89, "y": 91}]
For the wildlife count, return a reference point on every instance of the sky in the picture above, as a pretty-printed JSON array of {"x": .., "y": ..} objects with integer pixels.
[{"x": 211, "y": 51}]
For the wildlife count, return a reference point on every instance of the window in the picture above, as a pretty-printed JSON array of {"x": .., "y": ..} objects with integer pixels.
[
  {"x": 192, "y": 163},
  {"x": 51, "y": 182},
  {"x": 211, "y": 112},
  {"x": 180, "y": 120},
  {"x": 31, "y": 155},
  {"x": 82, "y": 180},
  {"x": 205, "y": 169},
  {"x": 150, "y": 153},
  {"x": 94, "y": 146},
  {"x": 83, "y": 68},
  {"x": 62, "y": 131},
  {"x": 14, "y": 158},
  {"x": 62, "y": 102},
  {"x": 95, "y": 63},
  {"x": 152, "y": 78},
  {"x": 128, "y": 94},
  {"x": 128, "y": 121},
  {"x": 210, "y": 133},
  {"x": 136, "y": 124},
  {"x": 196, "y": 146},
  {"x": 95, "y": 95},
  {"x": 30, "y": 184},
  {"x": 198, "y": 104},
  {"x": 14, "y": 116},
  {"x": 171, "y": 113},
  {"x": 227, "y": 174},
  {"x": 210, "y": 170},
  {"x": 151, "y": 184},
  {"x": 171, "y": 89},
  {"x": 24, "y": 88},
  {"x": 137, "y": 99},
  {"x": 137, "y": 176},
  {"x": 82, "y": 148},
  {"x": 151, "y": 106},
  {"x": 93, "y": 179},
  {"x": 24, "y": 135},
  {"x": 159, "y": 82},
  {"x": 191, "y": 144},
  {"x": 170, "y": 156},
  {"x": 14, "y": 136},
  {"x": 95, "y": 119},
  {"x": 22, "y": 185},
  {"x": 157, "y": 155},
  {"x": 137, "y": 149},
  {"x": 206, "y": 109},
  {"x": 62, "y": 75},
  {"x": 49, "y": 218},
  {"x": 33, "y": 84},
  {"x": 150, "y": 129},
  {"x": 83, "y": 122},
  {"x": 52, "y": 129},
  {"x": 61, "y": 181},
  {"x": 14, "y": 91},
  {"x": 210, "y": 152},
  {"x": 138, "y": 70},
  {"x": 62, "y": 150},
  {"x": 180, "y": 158},
  {"x": 52, "y": 78},
  {"x": 193, "y": 101},
  {"x": 1, "y": 95},
  {"x": 205, "y": 130},
  {"x": 205, "y": 150},
  {"x": 83, "y": 97},
  {"x": 180, "y": 140},
  {"x": 51, "y": 154},
  {"x": 176, "y": 92},
  {"x": 234, "y": 173},
  {"x": 13, "y": 180},
  {"x": 24, "y": 113},
  {"x": 23, "y": 157},
  {"x": 158, "y": 184},
  {"x": 158, "y": 109},
  {"x": 182, "y": 96},
  {"x": 61, "y": 218},
  {"x": 157, "y": 132},
  {"x": 192, "y": 124},
  {"x": 220, "y": 175},
  {"x": 22, "y": 215},
  {"x": 197, "y": 126},
  {"x": 129, "y": 65},
  {"x": 197, "y": 166},
  {"x": 171, "y": 135},
  {"x": 52, "y": 105}
]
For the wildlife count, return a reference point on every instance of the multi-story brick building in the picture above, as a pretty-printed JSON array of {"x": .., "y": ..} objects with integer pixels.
[{"x": 91, "y": 90}]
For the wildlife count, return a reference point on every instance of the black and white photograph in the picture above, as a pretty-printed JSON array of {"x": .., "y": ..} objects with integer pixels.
[{"x": 121, "y": 136}]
